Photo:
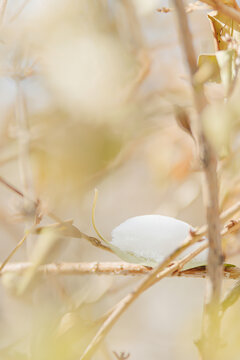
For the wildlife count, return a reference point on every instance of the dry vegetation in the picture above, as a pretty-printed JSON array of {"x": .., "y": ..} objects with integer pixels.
[{"x": 139, "y": 99}]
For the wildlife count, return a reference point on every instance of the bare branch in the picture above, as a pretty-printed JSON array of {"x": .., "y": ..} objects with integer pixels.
[
  {"x": 109, "y": 268},
  {"x": 11, "y": 187},
  {"x": 211, "y": 317}
]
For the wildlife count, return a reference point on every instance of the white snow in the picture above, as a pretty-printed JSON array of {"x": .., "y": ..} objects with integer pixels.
[{"x": 148, "y": 239}]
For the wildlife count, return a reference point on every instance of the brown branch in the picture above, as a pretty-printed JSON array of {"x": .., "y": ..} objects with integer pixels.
[
  {"x": 109, "y": 268},
  {"x": 230, "y": 212},
  {"x": 211, "y": 316},
  {"x": 11, "y": 187}
]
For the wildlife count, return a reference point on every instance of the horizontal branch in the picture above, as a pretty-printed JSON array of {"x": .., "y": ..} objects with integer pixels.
[{"x": 109, "y": 268}]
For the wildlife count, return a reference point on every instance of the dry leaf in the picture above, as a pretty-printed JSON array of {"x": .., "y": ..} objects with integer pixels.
[{"x": 222, "y": 27}]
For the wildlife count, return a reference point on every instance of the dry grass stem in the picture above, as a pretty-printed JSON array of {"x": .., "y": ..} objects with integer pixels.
[
  {"x": 24, "y": 144},
  {"x": 8, "y": 258},
  {"x": 108, "y": 268}
]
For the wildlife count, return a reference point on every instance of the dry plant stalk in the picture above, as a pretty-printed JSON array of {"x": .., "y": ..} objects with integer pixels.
[
  {"x": 211, "y": 317},
  {"x": 23, "y": 145},
  {"x": 109, "y": 268}
]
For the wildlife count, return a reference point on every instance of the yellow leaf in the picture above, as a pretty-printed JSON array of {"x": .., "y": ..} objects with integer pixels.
[
  {"x": 66, "y": 228},
  {"x": 223, "y": 25},
  {"x": 218, "y": 67},
  {"x": 209, "y": 67}
]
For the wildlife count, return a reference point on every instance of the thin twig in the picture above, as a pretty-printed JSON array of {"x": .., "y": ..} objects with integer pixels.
[
  {"x": 19, "y": 244},
  {"x": 95, "y": 242},
  {"x": 11, "y": 187},
  {"x": 8, "y": 258},
  {"x": 230, "y": 212},
  {"x": 108, "y": 268}
]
